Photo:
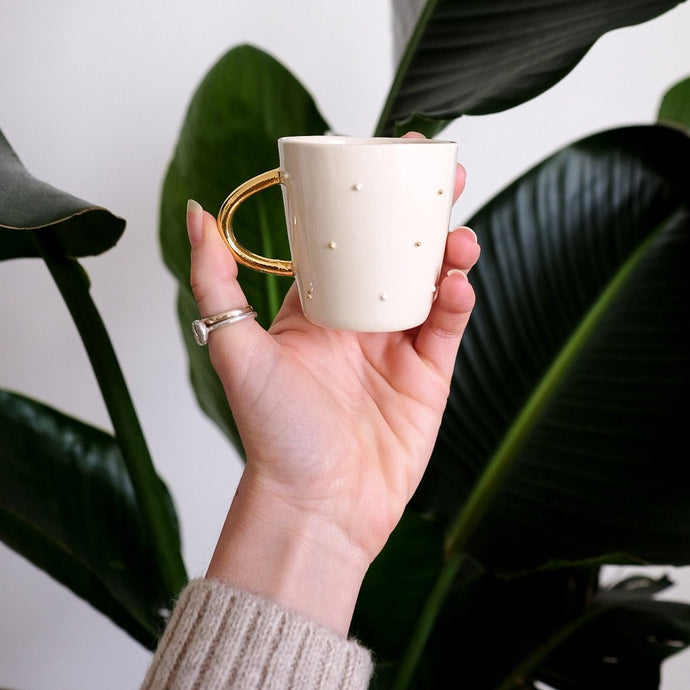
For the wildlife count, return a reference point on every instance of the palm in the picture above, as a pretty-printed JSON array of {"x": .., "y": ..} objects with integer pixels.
[{"x": 344, "y": 419}]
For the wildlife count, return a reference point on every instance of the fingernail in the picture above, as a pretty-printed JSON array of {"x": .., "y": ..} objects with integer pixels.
[
  {"x": 195, "y": 221},
  {"x": 457, "y": 271}
]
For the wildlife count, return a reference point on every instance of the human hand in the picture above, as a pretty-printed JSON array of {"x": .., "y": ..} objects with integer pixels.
[{"x": 337, "y": 427}]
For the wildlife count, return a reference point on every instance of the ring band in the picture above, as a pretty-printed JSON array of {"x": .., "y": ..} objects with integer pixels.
[{"x": 202, "y": 327}]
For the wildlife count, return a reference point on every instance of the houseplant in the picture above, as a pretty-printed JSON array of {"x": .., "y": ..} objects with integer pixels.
[
  {"x": 84, "y": 505},
  {"x": 541, "y": 472},
  {"x": 424, "y": 526}
]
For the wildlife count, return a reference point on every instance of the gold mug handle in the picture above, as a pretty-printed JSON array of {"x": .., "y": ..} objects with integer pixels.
[{"x": 227, "y": 211}]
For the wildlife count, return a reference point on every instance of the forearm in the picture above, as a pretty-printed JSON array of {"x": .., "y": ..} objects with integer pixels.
[
  {"x": 274, "y": 609},
  {"x": 294, "y": 557}
]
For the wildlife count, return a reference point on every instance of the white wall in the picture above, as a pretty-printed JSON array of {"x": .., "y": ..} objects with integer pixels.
[{"x": 91, "y": 97}]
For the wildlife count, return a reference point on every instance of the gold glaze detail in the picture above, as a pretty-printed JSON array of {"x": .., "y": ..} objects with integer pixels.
[{"x": 227, "y": 212}]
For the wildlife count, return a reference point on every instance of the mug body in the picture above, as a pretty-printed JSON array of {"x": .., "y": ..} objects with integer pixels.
[{"x": 367, "y": 222}]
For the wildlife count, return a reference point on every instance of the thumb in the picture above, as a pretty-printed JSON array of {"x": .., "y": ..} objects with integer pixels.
[{"x": 213, "y": 279}]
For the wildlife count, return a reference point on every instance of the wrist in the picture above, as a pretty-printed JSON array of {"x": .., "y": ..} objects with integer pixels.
[{"x": 290, "y": 555}]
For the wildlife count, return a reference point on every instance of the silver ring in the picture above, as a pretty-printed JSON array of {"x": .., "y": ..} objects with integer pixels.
[{"x": 202, "y": 327}]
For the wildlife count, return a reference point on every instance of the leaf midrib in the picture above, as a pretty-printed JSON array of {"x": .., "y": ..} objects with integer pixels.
[{"x": 412, "y": 44}]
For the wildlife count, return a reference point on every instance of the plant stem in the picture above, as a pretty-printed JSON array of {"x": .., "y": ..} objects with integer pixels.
[
  {"x": 518, "y": 675},
  {"x": 73, "y": 283}
]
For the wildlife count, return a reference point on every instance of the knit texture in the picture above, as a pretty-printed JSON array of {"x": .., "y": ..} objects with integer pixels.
[{"x": 221, "y": 638}]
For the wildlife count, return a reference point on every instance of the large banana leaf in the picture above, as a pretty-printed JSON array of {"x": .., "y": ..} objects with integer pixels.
[
  {"x": 67, "y": 504},
  {"x": 28, "y": 206},
  {"x": 620, "y": 641},
  {"x": 246, "y": 102},
  {"x": 565, "y": 428},
  {"x": 483, "y": 56},
  {"x": 558, "y": 627}
]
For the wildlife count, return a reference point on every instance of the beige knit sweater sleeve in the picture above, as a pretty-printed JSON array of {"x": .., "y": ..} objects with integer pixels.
[{"x": 221, "y": 638}]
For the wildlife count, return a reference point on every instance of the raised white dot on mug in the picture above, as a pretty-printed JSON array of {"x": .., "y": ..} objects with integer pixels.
[
  {"x": 357, "y": 187},
  {"x": 383, "y": 296},
  {"x": 332, "y": 245},
  {"x": 417, "y": 244},
  {"x": 440, "y": 192}
]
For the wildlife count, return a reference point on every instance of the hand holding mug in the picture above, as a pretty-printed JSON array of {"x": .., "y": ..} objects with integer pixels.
[{"x": 337, "y": 425}]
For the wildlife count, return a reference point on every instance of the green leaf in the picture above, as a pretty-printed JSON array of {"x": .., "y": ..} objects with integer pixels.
[
  {"x": 245, "y": 103},
  {"x": 28, "y": 205},
  {"x": 569, "y": 404},
  {"x": 498, "y": 624},
  {"x": 675, "y": 106},
  {"x": 557, "y": 627},
  {"x": 67, "y": 504},
  {"x": 621, "y": 640},
  {"x": 484, "y": 56}
]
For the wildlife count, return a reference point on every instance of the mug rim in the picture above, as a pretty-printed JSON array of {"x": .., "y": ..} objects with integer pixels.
[{"x": 329, "y": 140}]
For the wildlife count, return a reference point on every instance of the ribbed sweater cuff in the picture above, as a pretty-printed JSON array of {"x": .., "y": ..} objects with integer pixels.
[{"x": 220, "y": 637}]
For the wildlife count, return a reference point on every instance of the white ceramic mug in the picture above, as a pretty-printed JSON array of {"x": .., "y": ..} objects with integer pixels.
[{"x": 367, "y": 222}]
